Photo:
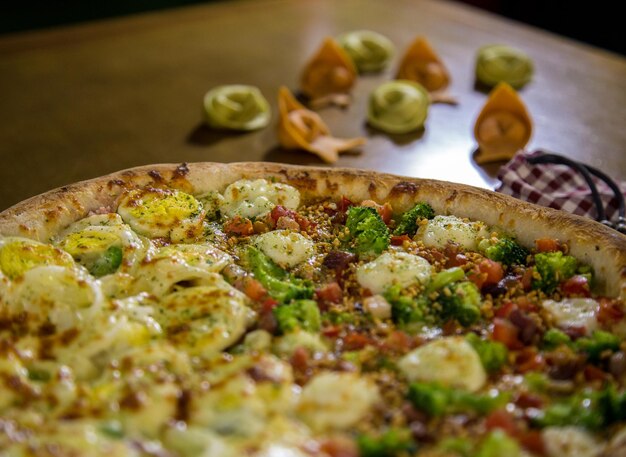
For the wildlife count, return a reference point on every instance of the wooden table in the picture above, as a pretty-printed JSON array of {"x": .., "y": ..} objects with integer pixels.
[{"x": 82, "y": 101}]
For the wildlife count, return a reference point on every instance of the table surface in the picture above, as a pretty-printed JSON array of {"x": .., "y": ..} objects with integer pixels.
[{"x": 82, "y": 101}]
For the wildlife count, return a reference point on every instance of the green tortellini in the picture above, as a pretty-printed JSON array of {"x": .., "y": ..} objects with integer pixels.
[
  {"x": 398, "y": 106},
  {"x": 370, "y": 51},
  {"x": 500, "y": 63},
  {"x": 236, "y": 107}
]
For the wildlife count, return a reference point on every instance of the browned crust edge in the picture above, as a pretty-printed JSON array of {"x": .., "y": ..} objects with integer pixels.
[{"x": 603, "y": 248}]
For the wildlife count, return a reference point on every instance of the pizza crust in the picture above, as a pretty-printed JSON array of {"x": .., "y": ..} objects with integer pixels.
[{"x": 603, "y": 248}]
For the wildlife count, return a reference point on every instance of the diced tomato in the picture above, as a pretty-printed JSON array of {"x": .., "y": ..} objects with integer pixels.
[
  {"x": 254, "y": 289},
  {"x": 354, "y": 341},
  {"x": 239, "y": 226},
  {"x": 280, "y": 211},
  {"x": 525, "y": 304},
  {"x": 494, "y": 271},
  {"x": 547, "y": 245},
  {"x": 609, "y": 312},
  {"x": 457, "y": 261},
  {"x": 477, "y": 277},
  {"x": 330, "y": 293},
  {"x": 269, "y": 304},
  {"x": 506, "y": 309},
  {"x": 528, "y": 359},
  {"x": 577, "y": 285},
  {"x": 506, "y": 333},
  {"x": 344, "y": 204},
  {"x": 398, "y": 240},
  {"x": 503, "y": 420},
  {"x": 532, "y": 440}
]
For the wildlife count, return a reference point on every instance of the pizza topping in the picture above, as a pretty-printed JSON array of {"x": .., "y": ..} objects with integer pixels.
[
  {"x": 158, "y": 213},
  {"x": 284, "y": 247},
  {"x": 312, "y": 331}
]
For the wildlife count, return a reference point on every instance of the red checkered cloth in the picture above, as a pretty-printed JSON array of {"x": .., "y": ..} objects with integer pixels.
[{"x": 556, "y": 186}]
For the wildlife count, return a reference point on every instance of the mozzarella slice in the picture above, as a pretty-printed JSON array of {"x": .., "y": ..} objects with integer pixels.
[
  {"x": 574, "y": 312},
  {"x": 253, "y": 198},
  {"x": 451, "y": 361},
  {"x": 161, "y": 271},
  {"x": 570, "y": 442},
  {"x": 159, "y": 213},
  {"x": 334, "y": 401},
  {"x": 64, "y": 296},
  {"x": 205, "y": 319},
  {"x": 442, "y": 229},
  {"x": 286, "y": 248},
  {"x": 18, "y": 255},
  {"x": 392, "y": 268}
]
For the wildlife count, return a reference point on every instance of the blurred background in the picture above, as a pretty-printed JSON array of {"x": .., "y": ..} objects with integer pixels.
[{"x": 597, "y": 23}]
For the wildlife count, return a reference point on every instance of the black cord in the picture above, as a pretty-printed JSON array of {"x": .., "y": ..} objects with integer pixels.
[
  {"x": 621, "y": 219},
  {"x": 595, "y": 195}
]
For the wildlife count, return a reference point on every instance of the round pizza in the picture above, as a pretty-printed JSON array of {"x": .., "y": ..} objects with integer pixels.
[{"x": 268, "y": 310}]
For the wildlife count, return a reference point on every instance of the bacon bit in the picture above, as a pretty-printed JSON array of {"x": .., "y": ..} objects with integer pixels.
[
  {"x": 269, "y": 304},
  {"x": 575, "y": 331},
  {"x": 506, "y": 333},
  {"x": 547, "y": 245},
  {"x": 594, "y": 373},
  {"x": 344, "y": 204},
  {"x": 532, "y": 440},
  {"x": 239, "y": 226},
  {"x": 338, "y": 446},
  {"x": 267, "y": 320},
  {"x": 610, "y": 311},
  {"x": 339, "y": 261},
  {"x": 576, "y": 286},
  {"x": 384, "y": 211},
  {"x": 299, "y": 360},
  {"x": 287, "y": 223},
  {"x": 454, "y": 256},
  {"x": 503, "y": 420},
  {"x": 398, "y": 240},
  {"x": 354, "y": 341},
  {"x": 451, "y": 327},
  {"x": 525, "y": 304},
  {"x": 527, "y": 279},
  {"x": 398, "y": 341},
  {"x": 332, "y": 331},
  {"x": 528, "y": 328},
  {"x": 528, "y": 400},
  {"x": 528, "y": 359},
  {"x": 330, "y": 293}
]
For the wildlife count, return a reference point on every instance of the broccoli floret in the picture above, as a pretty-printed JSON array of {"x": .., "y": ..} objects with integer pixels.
[
  {"x": 505, "y": 250},
  {"x": 389, "y": 444},
  {"x": 445, "y": 277},
  {"x": 612, "y": 405},
  {"x": 437, "y": 400},
  {"x": 408, "y": 221},
  {"x": 108, "y": 262},
  {"x": 497, "y": 444},
  {"x": 493, "y": 354},
  {"x": 554, "y": 338},
  {"x": 595, "y": 345},
  {"x": 368, "y": 232},
  {"x": 460, "y": 301},
  {"x": 553, "y": 268},
  {"x": 299, "y": 314},
  {"x": 279, "y": 284},
  {"x": 404, "y": 309}
]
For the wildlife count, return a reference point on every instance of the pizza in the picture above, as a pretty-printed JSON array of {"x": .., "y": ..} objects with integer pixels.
[{"x": 256, "y": 309}]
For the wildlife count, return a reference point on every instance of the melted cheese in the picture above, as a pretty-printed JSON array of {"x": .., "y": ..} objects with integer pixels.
[
  {"x": 574, "y": 312},
  {"x": 451, "y": 361},
  {"x": 392, "y": 268},
  {"x": 205, "y": 319},
  {"x": 285, "y": 248},
  {"x": 253, "y": 198},
  {"x": 570, "y": 442},
  {"x": 18, "y": 255},
  {"x": 158, "y": 213},
  {"x": 169, "y": 265},
  {"x": 443, "y": 229},
  {"x": 336, "y": 401}
]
